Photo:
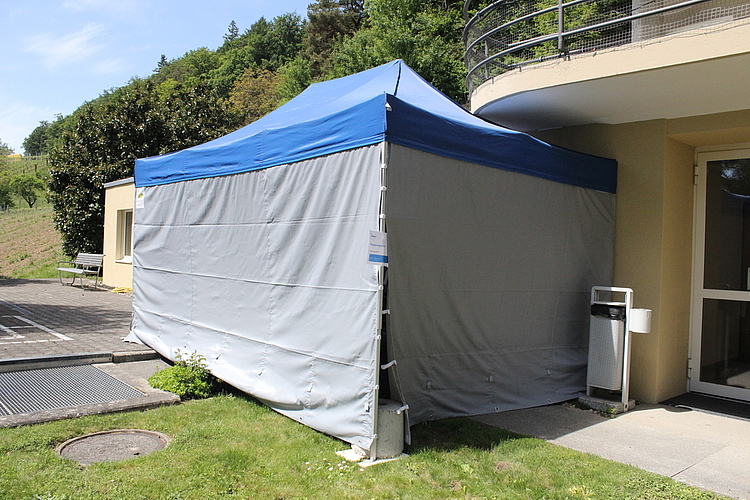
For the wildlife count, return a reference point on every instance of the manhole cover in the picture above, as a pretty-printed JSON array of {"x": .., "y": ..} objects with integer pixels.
[{"x": 112, "y": 446}]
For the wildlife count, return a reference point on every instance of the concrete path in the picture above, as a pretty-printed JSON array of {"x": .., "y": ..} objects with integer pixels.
[{"x": 702, "y": 449}]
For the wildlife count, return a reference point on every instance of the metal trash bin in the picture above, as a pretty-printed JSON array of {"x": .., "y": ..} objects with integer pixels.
[{"x": 606, "y": 346}]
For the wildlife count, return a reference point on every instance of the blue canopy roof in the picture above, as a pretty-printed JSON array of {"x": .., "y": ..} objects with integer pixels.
[{"x": 390, "y": 102}]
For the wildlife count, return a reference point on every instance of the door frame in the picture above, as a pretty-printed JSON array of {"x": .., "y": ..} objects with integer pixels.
[{"x": 698, "y": 293}]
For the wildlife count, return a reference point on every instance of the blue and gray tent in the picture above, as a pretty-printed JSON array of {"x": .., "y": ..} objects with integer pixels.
[{"x": 255, "y": 251}]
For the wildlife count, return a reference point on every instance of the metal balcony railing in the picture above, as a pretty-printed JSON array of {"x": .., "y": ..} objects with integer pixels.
[{"x": 507, "y": 35}]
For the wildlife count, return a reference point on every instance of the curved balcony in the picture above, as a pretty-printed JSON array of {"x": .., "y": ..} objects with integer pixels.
[{"x": 509, "y": 35}]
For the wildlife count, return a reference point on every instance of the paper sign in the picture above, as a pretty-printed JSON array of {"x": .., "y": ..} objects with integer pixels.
[
  {"x": 378, "y": 248},
  {"x": 140, "y": 195}
]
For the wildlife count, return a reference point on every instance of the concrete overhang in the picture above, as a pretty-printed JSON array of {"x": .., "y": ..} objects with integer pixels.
[{"x": 690, "y": 74}]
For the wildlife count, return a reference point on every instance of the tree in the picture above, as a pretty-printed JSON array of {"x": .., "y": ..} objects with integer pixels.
[
  {"x": 6, "y": 195},
  {"x": 294, "y": 77},
  {"x": 5, "y": 150},
  {"x": 265, "y": 45},
  {"x": 163, "y": 63},
  {"x": 232, "y": 33},
  {"x": 329, "y": 21},
  {"x": 35, "y": 143},
  {"x": 191, "y": 69},
  {"x": 425, "y": 34},
  {"x": 27, "y": 187},
  {"x": 109, "y": 133},
  {"x": 38, "y": 141},
  {"x": 41, "y": 140},
  {"x": 254, "y": 95}
]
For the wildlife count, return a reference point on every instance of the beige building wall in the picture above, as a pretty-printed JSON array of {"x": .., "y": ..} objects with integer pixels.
[
  {"x": 119, "y": 197},
  {"x": 654, "y": 229},
  {"x": 622, "y": 102}
]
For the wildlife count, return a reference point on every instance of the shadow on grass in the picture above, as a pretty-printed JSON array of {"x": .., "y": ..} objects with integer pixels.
[
  {"x": 439, "y": 435},
  {"x": 454, "y": 433}
]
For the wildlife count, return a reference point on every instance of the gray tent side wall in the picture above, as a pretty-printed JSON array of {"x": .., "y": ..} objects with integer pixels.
[
  {"x": 488, "y": 287},
  {"x": 265, "y": 274}
]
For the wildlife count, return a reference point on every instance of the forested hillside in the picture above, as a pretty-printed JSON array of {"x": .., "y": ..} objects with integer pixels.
[{"x": 209, "y": 92}]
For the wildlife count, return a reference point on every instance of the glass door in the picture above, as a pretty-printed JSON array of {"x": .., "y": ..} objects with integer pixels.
[{"x": 720, "y": 357}]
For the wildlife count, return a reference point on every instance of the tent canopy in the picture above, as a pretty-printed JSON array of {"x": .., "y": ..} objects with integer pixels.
[
  {"x": 390, "y": 102},
  {"x": 252, "y": 250}
]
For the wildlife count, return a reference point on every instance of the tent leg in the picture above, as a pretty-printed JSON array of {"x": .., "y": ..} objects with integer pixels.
[{"x": 381, "y": 294}]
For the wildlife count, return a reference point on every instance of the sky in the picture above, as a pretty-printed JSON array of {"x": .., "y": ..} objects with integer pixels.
[{"x": 56, "y": 55}]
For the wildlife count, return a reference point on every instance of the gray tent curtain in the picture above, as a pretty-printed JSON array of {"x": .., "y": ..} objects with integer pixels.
[{"x": 265, "y": 273}]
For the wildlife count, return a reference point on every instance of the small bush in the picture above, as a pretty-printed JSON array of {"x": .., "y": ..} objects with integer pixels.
[{"x": 189, "y": 377}]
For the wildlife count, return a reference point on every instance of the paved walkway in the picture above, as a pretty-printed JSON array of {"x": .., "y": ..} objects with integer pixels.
[
  {"x": 41, "y": 318},
  {"x": 706, "y": 450}
]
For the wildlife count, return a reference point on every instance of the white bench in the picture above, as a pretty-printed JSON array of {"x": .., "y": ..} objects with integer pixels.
[{"x": 85, "y": 264}]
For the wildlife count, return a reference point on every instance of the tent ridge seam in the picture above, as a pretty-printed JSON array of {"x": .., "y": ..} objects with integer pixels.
[
  {"x": 266, "y": 343},
  {"x": 492, "y": 351},
  {"x": 348, "y": 218},
  {"x": 271, "y": 283}
]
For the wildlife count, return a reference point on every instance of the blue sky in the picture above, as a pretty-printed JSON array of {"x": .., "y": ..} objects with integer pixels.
[{"x": 59, "y": 54}]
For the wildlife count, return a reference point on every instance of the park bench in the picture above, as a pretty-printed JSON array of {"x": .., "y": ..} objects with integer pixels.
[{"x": 85, "y": 264}]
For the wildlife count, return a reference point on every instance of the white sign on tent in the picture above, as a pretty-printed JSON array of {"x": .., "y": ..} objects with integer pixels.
[{"x": 378, "y": 248}]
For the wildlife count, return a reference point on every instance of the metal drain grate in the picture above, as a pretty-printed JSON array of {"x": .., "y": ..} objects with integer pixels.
[{"x": 60, "y": 387}]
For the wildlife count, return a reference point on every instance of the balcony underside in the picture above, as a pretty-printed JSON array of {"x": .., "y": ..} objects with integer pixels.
[{"x": 680, "y": 76}]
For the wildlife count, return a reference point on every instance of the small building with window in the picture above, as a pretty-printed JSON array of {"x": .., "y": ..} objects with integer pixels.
[{"x": 118, "y": 233}]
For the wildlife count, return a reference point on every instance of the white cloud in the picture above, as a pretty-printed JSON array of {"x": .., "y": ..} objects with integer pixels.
[
  {"x": 81, "y": 5},
  {"x": 100, "y": 5},
  {"x": 110, "y": 67},
  {"x": 66, "y": 49}
]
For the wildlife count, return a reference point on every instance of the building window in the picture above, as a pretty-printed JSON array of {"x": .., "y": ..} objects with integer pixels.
[{"x": 125, "y": 236}]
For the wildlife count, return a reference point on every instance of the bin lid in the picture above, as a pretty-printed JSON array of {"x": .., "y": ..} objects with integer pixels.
[{"x": 613, "y": 312}]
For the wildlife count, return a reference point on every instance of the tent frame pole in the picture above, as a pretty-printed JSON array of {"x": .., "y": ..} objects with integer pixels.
[{"x": 384, "y": 152}]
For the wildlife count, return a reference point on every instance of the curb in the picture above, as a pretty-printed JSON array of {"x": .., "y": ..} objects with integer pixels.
[
  {"x": 146, "y": 402},
  {"x": 18, "y": 364}
]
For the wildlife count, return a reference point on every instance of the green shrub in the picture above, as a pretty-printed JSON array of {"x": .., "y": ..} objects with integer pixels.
[{"x": 189, "y": 377}]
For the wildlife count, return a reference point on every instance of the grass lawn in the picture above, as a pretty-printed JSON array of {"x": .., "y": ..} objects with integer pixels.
[
  {"x": 29, "y": 244},
  {"x": 231, "y": 447}
]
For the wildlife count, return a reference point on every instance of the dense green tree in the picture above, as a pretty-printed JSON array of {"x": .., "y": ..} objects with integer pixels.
[
  {"x": 27, "y": 187},
  {"x": 425, "y": 34},
  {"x": 328, "y": 22},
  {"x": 36, "y": 143},
  {"x": 265, "y": 45},
  {"x": 53, "y": 131},
  {"x": 43, "y": 138},
  {"x": 255, "y": 94},
  {"x": 191, "y": 69},
  {"x": 294, "y": 77},
  {"x": 135, "y": 121}
]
